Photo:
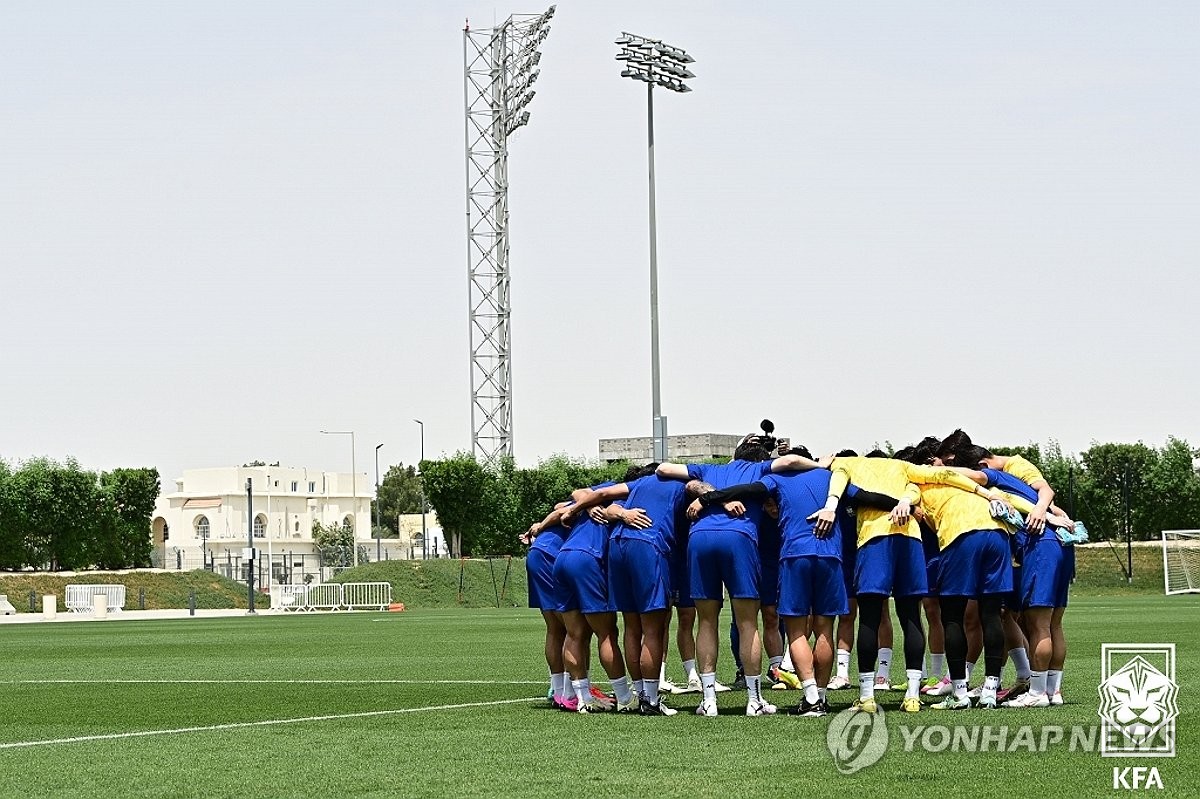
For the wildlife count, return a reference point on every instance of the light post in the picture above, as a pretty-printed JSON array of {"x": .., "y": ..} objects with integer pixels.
[
  {"x": 424, "y": 534},
  {"x": 353, "y": 490},
  {"x": 655, "y": 64},
  {"x": 377, "y": 531}
]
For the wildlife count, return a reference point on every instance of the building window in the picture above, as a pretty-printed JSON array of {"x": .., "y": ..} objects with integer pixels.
[
  {"x": 295, "y": 486},
  {"x": 312, "y": 487},
  {"x": 348, "y": 524},
  {"x": 202, "y": 527},
  {"x": 260, "y": 526}
]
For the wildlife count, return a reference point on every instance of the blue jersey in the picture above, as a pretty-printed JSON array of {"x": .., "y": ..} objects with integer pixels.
[
  {"x": 587, "y": 535},
  {"x": 715, "y": 519},
  {"x": 550, "y": 540},
  {"x": 662, "y": 500},
  {"x": 800, "y": 495}
]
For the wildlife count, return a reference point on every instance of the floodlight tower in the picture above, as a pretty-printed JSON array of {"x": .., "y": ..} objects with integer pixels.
[
  {"x": 655, "y": 64},
  {"x": 500, "y": 72}
]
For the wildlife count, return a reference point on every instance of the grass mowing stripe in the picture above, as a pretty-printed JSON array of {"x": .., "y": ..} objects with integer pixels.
[{"x": 245, "y": 724}]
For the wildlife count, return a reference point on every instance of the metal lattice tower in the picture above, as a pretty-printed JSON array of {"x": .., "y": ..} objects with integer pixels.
[{"x": 500, "y": 66}]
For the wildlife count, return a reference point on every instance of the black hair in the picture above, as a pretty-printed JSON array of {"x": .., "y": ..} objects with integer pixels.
[
  {"x": 951, "y": 444},
  {"x": 752, "y": 450},
  {"x": 971, "y": 456},
  {"x": 925, "y": 450},
  {"x": 847, "y": 453},
  {"x": 800, "y": 450},
  {"x": 876, "y": 453},
  {"x": 637, "y": 472},
  {"x": 906, "y": 454}
]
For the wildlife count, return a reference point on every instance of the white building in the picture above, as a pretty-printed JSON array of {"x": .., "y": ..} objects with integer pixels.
[{"x": 204, "y": 520}]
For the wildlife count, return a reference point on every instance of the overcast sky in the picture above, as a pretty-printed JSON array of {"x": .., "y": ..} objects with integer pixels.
[{"x": 225, "y": 226}]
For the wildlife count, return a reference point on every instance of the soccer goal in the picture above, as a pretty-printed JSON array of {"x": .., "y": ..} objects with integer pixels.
[{"x": 1181, "y": 561}]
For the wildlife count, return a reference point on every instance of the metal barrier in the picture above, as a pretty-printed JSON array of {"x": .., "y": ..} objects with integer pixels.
[
  {"x": 288, "y": 597},
  {"x": 323, "y": 596},
  {"x": 80, "y": 598},
  {"x": 362, "y": 596}
]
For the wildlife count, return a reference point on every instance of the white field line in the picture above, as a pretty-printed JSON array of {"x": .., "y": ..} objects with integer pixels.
[
  {"x": 246, "y": 724},
  {"x": 268, "y": 682}
]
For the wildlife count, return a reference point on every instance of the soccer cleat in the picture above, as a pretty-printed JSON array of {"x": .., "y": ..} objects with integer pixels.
[
  {"x": 987, "y": 702},
  {"x": 911, "y": 704},
  {"x": 1081, "y": 533},
  {"x": 942, "y": 687},
  {"x": 1029, "y": 700},
  {"x": 882, "y": 684},
  {"x": 667, "y": 687},
  {"x": 1018, "y": 688},
  {"x": 760, "y": 707},
  {"x": 975, "y": 692},
  {"x": 691, "y": 687},
  {"x": 784, "y": 677},
  {"x": 810, "y": 710},
  {"x": 707, "y": 708},
  {"x": 720, "y": 687},
  {"x": 659, "y": 708},
  {"x": 570, "y": 704},
  {"x": 899, "y": 686},
  {"x": 865, "y": 706},
  {"x": 632, "y": 706},
  {"x": 1057, "y": 699},
  {"x": 953, "y": 703},
  {"x": 600, "y": 696},
  {"x": 739, "y": 681},
  {"x": 839, "y": 684},
  {"x": 594, "y": 706}
]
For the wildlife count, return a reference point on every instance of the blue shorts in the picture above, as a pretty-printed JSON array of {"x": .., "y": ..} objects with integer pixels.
[
  {"x": 638, "y": 576},
  {"x": 976, "y": 563},
  {"x": 580, "y": 582},
  {"x": 768, "y": 583},
  {"x": 931, "y": 573},
  {"x": 1045, "y": 575},
  {"x": 539, "y": 570},
  {"x": 723, "y": 557},
  {"x": 891, "y": 564},
  {"x": 681, "y": 583},
  {"x": 812, "y": 585},
  {"x": 848, "y": 560}
]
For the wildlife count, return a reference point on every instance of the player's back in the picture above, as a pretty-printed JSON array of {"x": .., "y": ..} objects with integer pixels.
[
  {"x": 800, "y": 495},
  {"x": 661, "y": 499},
  {"x": 725, "y": 475},
  {"x": 952, "y": 512}
]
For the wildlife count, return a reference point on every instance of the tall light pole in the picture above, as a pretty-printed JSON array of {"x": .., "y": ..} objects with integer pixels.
[
  {"x": 500, "y": 70},
  {"x": 424, "y": 535},
  {"x": 655, "y": 64},
  {"x": 353, "y": 489},
  {"x": 377, "y": 531}
]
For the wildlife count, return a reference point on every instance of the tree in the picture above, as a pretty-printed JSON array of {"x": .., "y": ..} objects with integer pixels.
[
  {"x": 128, "y": 496},
  {"x": 464, "y": 496},
  {"x": 399, "y": 492},
  {"x": 334, "y": 543}
]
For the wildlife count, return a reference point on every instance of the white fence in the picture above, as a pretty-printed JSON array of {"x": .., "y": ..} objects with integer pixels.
[
  {"x": 81, "y": 598},
  {"x": 332, "y": 596}
]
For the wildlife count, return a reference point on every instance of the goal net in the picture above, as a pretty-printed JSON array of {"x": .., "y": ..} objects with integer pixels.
[{"x": 1181, "y": 561}]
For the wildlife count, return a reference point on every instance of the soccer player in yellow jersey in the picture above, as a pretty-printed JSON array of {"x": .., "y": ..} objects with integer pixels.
[{"x": 889, "y": 561}]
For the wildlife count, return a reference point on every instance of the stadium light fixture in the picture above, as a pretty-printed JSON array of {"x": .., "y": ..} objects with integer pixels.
[{"x": 653, "y": 62}]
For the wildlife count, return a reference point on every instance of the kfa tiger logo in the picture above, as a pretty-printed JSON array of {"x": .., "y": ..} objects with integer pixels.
[{"x": 1138, "y": 700}]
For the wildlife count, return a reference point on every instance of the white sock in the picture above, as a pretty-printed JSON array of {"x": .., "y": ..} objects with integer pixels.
[
  {"x": 937, "y": 664},
  {"x": 970, "y": 668},
  {"x": 866, "y": 685},
  {"x": 753, "y": 689},
  {"x": 990, "y": 686},
  {"x": 689, "y": 668},
  {"x": 960, "y": 689},
  {"x": 564, "y": 686},
  {"x": 556, "y": 684},
  {"x": 662, "y": 672},
  {"x": 787, "y": 660},
  {"x": 913, "y": 689},
  {"x": 1020, "y": 661},
  {"x": 775, "y": 662},
  {"x": 1037, "y": 683},
  {"x": 811, "y": 694},
  {"x": 583, "y": 690},
  {"x": 1053, "y": 681},
  {"x": 884, "y": 669},
  {"x": 621, "y": 689},
  {"x": 843, "y": 664},
  {"x": 709, "y": 681}
]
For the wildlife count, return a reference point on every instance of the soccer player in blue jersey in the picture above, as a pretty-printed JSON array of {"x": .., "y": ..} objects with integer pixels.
[
  {"x": 545, "y": 539},
  {"x": 723, "y": 553}
]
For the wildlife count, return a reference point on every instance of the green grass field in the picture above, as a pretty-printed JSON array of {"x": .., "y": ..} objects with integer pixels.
[{"x": 448, "y": 703}]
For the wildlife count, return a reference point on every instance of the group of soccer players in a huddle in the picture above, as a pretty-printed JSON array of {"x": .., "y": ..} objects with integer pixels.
[{"x": 946, "y": 527}]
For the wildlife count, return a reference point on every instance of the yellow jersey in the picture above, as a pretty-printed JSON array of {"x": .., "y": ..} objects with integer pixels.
[
  {"x": 1023, "y": 470},
  {"x": 896, "y": 479}
]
